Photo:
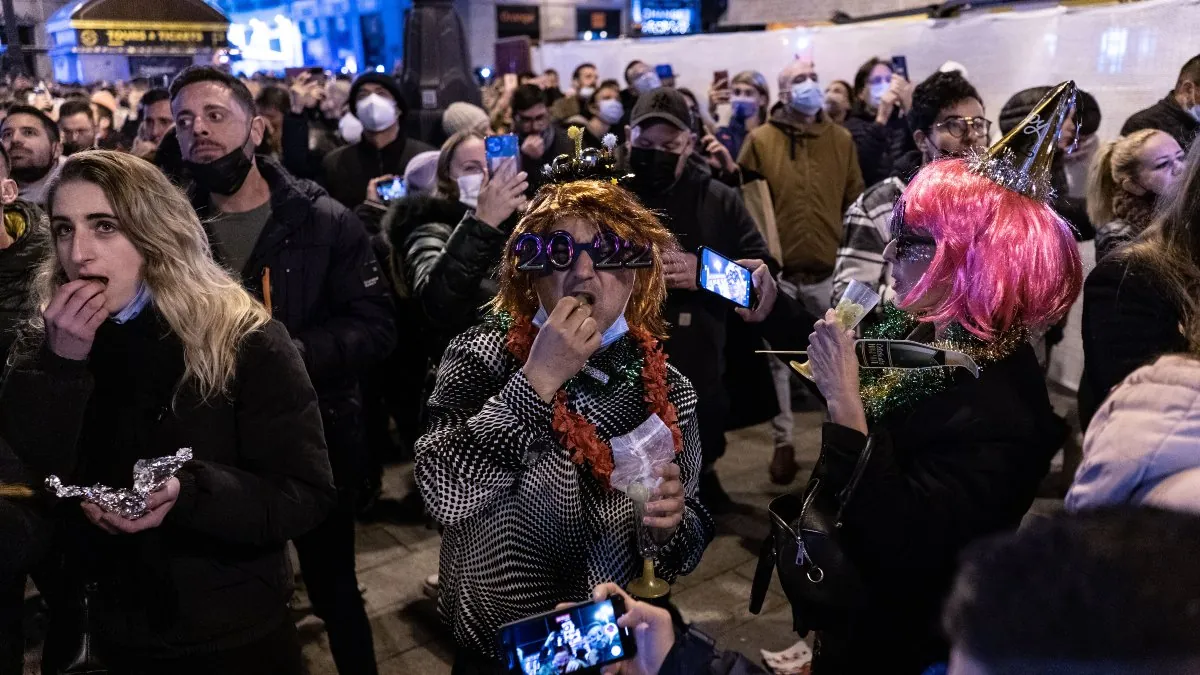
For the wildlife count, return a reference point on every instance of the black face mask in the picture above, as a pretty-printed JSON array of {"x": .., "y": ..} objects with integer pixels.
[
  {"x": 224, "y": 175},
  {"x": 653, "y": 170},
  {"x": 70, "y": 148}
]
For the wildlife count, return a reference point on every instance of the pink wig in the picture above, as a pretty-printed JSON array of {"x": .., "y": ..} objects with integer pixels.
[{"x": 1003, "y": 259}]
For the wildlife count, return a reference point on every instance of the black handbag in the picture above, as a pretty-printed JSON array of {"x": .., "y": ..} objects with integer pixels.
[{"x": 821, "y": 583}]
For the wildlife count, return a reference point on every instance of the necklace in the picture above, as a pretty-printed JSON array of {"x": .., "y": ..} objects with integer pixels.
[
  {"x": 573, "y": 430},
  {"x": 890, "y": 390}
]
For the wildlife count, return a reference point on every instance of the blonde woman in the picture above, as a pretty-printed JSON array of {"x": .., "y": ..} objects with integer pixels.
[
  {"x": 143, "y": 345},
  {"x": 1126, "y": 179}
]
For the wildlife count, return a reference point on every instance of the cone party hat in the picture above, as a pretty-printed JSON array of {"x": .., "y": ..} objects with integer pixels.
[{"x": 1021, "y": 160}]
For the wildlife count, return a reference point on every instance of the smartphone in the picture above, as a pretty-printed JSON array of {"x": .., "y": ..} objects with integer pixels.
[
  {"x": 721, "y": 76},
  {"x": 500, "y": 148},
  {"x": 900, "y": 66},
  {"x": 664, "y": 71},
  {"x": 579, "y": 639},
  {"x": 392, "y": 190},
  {"x": 720, "y": 275}
]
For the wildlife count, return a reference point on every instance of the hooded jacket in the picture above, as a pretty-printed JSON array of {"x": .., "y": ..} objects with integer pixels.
[
  {"x": 1140, "y": 448},
  {"x": 814, "y": 176},
  {"x": 27, "y": 225}
]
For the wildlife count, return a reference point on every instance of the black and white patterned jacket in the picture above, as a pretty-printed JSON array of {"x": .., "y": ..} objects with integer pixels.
[{"x": 525, "y": 528}]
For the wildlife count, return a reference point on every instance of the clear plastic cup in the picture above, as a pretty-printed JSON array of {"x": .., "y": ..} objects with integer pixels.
[{"x": 858, "y": 301}]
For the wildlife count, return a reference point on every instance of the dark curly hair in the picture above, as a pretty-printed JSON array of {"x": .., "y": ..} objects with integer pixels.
[{"x": 938, "y": 92}]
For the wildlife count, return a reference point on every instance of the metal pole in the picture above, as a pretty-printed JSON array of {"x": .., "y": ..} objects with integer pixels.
[{"x": 15, "y": 56}]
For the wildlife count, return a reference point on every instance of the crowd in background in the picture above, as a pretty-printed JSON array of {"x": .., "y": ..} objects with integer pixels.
[{"x": 287, "y": 179}]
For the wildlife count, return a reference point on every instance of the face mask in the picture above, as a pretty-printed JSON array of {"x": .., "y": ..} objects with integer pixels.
[
  {"x": 70, "y": 147},
  {"x": 807, "y": 98},
  {"x": 586, "y": 93},
  {"x": 647, "y": 81},
  {"x": 350, "y": 129},
  {"x": 376, "y": 112},
  {"x": 468, "y": 188},
  {"x": 876, "y": 92},
  {"x": 611, "y": 110},
  {"x": 744, "y": 107},
  {"x": 610, "y": 335},
  {"x": 224, "y": 175},
  {"x": 653, "y": 170}
]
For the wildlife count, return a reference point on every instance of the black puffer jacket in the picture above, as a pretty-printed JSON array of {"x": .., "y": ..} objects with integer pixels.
[
  {"x": 214, "y": 575},
  {"x": 448, "y": 260},
  {"x": 18, "y": 264},
  {"x": 327, "y": 289}
]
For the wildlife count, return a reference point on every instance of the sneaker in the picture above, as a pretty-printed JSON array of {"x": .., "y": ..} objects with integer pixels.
[
  {"x": 431, "y": 586},
  {"x": 783, "y": 468}
]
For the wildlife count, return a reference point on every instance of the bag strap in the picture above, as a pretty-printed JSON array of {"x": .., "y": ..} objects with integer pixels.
[
  {"x": 763, "y": 574},
  {"x": 851, "y": 485}
]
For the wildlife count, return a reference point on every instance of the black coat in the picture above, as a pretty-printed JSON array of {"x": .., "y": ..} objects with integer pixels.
[
  {"x": 24, "y": 531},
  {"x": 701, "y": 211},
  {"x": 448, "y": 259},
  {"x": 963, "y": 464},
  {"x": 561, "y": 145},
  {"x": 1168, "y": 116},
  {"x": 215, "y": 574},
  {"x": 328, "y": 290},
  {"x": 18, "y": 265},
  {"x": 1129, "y": 320},
  {"x": 350, "y": 168},
  {"x": 879, "y": 146}
]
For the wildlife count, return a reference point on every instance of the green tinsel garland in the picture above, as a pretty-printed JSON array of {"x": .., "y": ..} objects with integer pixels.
[{"x": 892, "y": 390}]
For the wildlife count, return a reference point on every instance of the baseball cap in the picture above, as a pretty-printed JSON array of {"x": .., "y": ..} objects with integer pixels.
[{"x": 664, "y": 103}]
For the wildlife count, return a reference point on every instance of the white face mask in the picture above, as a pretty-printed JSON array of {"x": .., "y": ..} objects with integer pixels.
[
  {"x": 468, "y": 188},
  {"x": 647, "y": 81},
  {"x": 376, "y": 112},
  {"x": 611, "y": 110},
  {"x": 610, "y": 335},
  {"x": 585, "y": 93},
  {"x": 350, "y": 129},
  {"x": 807, "y": 97}
]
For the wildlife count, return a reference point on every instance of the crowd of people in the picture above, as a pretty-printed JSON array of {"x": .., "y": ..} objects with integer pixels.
[{"x": 225, "y": 265}]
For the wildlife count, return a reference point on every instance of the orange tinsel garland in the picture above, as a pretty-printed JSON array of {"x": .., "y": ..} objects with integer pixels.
[{"x": 577, "y": 434}]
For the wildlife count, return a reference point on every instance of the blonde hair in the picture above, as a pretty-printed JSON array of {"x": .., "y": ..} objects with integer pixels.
[
  {"x": 608, "y": 207},
  {"x": 205, "y": 307},
  {"x": 1116, "y": 162}
]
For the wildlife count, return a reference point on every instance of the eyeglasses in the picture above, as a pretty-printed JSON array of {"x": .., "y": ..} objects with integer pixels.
[
  {"x": 958, "y": 126},
  {"x": 905, "y": 244},
  {"x": 559, "y": 251}
]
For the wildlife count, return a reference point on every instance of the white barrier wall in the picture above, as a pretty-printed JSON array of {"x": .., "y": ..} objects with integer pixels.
[{"x": 1126, "y": 55}]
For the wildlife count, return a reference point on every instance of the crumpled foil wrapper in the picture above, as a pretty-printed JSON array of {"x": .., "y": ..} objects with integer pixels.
[{"x": 148, "y": 476}]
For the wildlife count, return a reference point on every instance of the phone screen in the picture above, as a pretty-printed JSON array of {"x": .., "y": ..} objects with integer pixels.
[
  {"x": 577, "y": 639},
  {"x": 500, "y": 148},
  {"x": 391, "y": 190},
  {"x": 900, "y": 66},
  {"x": 721, "y": 76},
  {"x": 720, "y": 275}
]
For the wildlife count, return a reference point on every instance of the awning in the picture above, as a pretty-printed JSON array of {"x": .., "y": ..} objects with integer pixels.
[{"x": 137, "y": 27}]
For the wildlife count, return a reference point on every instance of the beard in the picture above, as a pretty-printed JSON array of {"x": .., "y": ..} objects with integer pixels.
[{"x": 30, "y": 174}]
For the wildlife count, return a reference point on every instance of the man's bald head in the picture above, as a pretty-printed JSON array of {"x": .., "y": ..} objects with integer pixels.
[{"x": 796, "y": 71}]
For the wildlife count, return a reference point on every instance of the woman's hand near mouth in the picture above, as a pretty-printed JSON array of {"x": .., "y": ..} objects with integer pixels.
[
  {"x": 562, "y": 347},
  {"x": 73, "y": 316}
]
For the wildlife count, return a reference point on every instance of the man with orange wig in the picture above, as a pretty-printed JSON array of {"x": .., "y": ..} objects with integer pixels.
[{"x": 516, "y": 463}]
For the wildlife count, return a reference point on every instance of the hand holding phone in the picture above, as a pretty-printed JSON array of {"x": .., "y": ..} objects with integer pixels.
[
  {"x": 387, "y": 189},
  {"x": 579, "y": 638},
  {"x": 722, "y": 276}
]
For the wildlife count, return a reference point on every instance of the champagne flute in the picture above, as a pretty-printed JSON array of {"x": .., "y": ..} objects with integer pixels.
[
  {"x": 858, "y": 300},
  {"x": 650, "y": 542}
]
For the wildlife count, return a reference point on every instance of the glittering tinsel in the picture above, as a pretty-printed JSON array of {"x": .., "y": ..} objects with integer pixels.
[
  {"x": 890, "y": 390},
  {"x": 1005, "y": 169}
]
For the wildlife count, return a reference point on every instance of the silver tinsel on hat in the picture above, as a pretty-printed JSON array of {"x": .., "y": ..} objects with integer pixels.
[{"x": 148, "y": 475}]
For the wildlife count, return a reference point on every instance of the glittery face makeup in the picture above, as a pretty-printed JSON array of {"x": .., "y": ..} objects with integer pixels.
[{"x": 910, "y": 253}]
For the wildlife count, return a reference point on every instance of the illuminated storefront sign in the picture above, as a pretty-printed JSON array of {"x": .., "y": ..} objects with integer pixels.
[{"x": 666, "y": 17}]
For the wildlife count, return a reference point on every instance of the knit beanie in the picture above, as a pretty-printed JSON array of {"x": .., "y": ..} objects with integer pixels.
[
  {"x": 386, "y": 81},
  {"x": 421, "y": 173},
  {"x": 463, "y": 116}
]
